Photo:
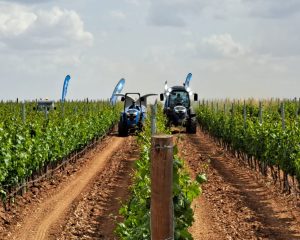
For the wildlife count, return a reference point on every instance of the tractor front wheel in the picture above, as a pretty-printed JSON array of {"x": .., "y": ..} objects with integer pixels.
[
  {"x": 122, "y": 129},
  {"x": 191, "y": 127}
]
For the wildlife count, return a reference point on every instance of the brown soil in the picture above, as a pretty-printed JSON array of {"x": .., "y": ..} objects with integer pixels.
[
  {"x": 236, "y": 204},
  {"x": 81, "y": 202},
  {"x": 95, "y": 216}
]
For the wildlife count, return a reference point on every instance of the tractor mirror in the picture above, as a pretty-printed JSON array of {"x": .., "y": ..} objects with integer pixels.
[
  {"x": 142, "y": 99},
  {"x": 195, "y": 97},
  {"x": 122, "y": 99},
  {"x": 161, "y": 96}
]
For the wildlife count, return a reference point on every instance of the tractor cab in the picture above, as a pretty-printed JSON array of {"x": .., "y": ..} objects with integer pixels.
[{"x": 178, "y": 97}]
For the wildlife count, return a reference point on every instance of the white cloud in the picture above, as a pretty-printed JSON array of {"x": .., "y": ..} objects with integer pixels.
[
  {"x": 29, "y": 28},
  {"x": 15, "y": 19},
  {"x": 173, "y": 12},
  {"x": 28, "y": 1},
  {"x": 233, "y": 48},
  {"x": 178, "y": 13},
  {"x": 234, "y": 52},
  {"x": 224, "y": 44},
  {"x": 38, "y": 47},
  {"x": 160, "y": 18},
  {"x": 272, "y": 8},
  {"x": 136, "y": 2},
  {"x": 118, "y": 14}
]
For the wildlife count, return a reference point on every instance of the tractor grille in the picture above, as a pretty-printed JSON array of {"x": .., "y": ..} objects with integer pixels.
[{"x": 131, "y": 117}]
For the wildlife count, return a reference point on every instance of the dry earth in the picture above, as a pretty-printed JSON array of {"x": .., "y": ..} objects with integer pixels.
[
  {"x": 82, "y": 201},
  {"x": 236, "y": 203}
]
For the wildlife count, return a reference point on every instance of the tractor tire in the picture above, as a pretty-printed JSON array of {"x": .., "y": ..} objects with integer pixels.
[
  {"x": 141, "y": 127},
  {"x": 122, "y": 130},
  {"x": 191, "y": 127}
]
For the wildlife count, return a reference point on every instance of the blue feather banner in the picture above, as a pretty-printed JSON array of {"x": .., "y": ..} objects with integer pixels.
[
  {"x": 65, "y": 88},
  {"x": 117, "y": 90},
  {"x": 187, "y": 80}
]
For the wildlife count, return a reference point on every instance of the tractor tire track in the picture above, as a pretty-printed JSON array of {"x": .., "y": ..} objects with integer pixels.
[
  {"x": 235, "y": 204},
  {"x": 95, "y": 216},
  {"x": 51, "y": 212}
]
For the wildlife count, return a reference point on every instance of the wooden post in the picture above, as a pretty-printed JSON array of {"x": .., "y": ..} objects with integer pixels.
[
  {"x": 23, "y": 112},
  {"x": 46, "y": 113},
  {"x": 63, "y": 110},
  {"x": 260, "y": 113},
  {"x": 245, "y": 114},
  {"x": 162, "y": 226},
  {"x": 153, "y": 118},
  {"x": 296, "y": 108},
  {"x": 282, "y": 115}
]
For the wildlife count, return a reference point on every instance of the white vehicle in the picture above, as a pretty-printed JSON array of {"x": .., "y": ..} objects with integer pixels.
[{"x": 45, "y": 105}]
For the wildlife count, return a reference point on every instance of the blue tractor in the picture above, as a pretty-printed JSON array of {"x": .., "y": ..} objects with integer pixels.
[{"x": 134, "y": 113}]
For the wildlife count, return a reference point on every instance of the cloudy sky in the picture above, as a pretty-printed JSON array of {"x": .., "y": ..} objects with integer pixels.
[{"x": 234, "y": 48}]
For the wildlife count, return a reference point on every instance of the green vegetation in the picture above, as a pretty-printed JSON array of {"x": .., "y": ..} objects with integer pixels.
[
  {"x": 136, "y": 212},
  {"x": 268, "y": 135},
  {"x": 29, "y": 144}
]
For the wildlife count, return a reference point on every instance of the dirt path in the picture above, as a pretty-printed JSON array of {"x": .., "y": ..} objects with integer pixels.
[
  {"x": 236, "y": 204},
  {"x": 48, "y": 215},
  {"x": 82, "y": 202},
  {"x": 95, "y": 216}
]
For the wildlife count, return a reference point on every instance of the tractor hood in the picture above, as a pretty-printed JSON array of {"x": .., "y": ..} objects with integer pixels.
[
  {"x": 180, "y": 109},
  {"x": 180, "y": 112}
]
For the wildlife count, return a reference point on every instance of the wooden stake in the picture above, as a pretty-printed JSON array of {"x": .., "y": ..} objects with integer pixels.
[
  {"x": 260, "y": 112},
  {"x": 162, "y": 226},
  {"x": 153, "y": 118},
  {"x": 282, "y": 115},
  {"x": 23, "y": 112},
  {"x": 245, "y": 113}
]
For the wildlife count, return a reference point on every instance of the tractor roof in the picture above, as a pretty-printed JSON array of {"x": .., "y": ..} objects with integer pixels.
[{"x": 178, "y": 88}]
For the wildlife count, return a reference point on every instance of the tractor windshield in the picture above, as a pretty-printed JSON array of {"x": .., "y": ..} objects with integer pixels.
[
  {"x": 131, "y": 104},
  {"x": 178, "y": 98}
]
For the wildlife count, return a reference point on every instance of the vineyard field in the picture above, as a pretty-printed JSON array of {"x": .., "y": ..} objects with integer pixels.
[
  {"x": 106, "y": 192},
  {"x": 30, "y": 140},
  {"x": 264, "y": 131}
]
